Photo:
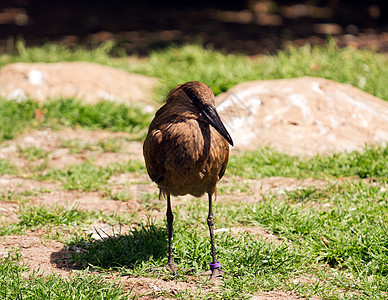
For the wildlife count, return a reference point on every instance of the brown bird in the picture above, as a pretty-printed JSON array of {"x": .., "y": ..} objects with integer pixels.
[{"x": 186, "y": 152}]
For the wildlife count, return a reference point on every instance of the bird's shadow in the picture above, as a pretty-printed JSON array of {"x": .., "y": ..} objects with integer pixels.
[{"x": 140, "y": 244}]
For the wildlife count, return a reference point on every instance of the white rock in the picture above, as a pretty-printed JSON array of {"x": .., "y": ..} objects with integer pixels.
[{"x": 303, "y": 116}]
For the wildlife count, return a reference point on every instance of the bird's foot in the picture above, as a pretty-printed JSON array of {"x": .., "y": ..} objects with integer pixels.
[
  {"x": 172, "y": 267},
  {"x": 217, "y": 273}
]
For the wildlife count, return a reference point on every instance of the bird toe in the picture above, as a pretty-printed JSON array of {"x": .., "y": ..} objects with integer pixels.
[
  {"x": 217, "y": 273},
  {"x": 172, "y": 267}
]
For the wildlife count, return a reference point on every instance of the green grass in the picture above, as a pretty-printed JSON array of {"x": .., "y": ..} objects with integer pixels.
[
  {"x": 21, "y": 196},
  {"x": 143, "y": 250},
  {"x": 371, "y": 162},
  {"x": 6, "y": 167},
  {"x": 16, "y": 117},
  {"x": 103, "y": 115},
  {"x": 87, "y": 177},
  {"x": 349, "y": 217},
  {"x": 19, "y": 282},
  {"x": 361, "y": 68},
  {"x": 110, "y": 145},
  {"x": 120, "y": 195},
  {"x": 343, "y": 227},
  {"x": 32, "y": 153},
  {"x": 35, "y": 216},
  {"x": 142, "y": 243},
  {"x": 77, "y": 146},
  {"x": 56, "y": 53},
  {"x": 352, "y": 223},
  {"x": 84, "y": 177},
  {"x": 58, "y": 220},
  {"x": 11, "y": 229},
  {"x": 40, "y": 216}
]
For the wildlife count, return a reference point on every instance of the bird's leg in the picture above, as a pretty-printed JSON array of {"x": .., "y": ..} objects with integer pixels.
[
  {"x": 170, "y": 219},
  {"x": 214, "y": 265}
]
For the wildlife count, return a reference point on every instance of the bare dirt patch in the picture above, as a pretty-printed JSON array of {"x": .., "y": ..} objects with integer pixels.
[
  {"x": 8, "y": 212},
  {"x": 154, "y": 288},
  {"x": 35, "y": 251},
  {"x": 278, "y": 185},
  {"x": 255, "y": 231},
  {"x": 9, "y": 183},
  {"x": 90, "y": 201},
  {"x": 276, "y": 295}
]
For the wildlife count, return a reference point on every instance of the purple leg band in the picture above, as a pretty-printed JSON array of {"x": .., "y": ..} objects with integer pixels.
[{"x": 215, "y": 265}]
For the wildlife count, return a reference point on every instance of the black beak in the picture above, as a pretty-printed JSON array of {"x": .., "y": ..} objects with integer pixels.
[{"x": 214, "y": 119}]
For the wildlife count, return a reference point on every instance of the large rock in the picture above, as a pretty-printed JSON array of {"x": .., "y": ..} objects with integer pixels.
[
  {"x": 303, "y": 116},
  {"x": 82, "y": 80}
]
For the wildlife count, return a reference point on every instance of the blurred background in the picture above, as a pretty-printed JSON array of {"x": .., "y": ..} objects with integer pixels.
[{"x": 250, "y": 27}]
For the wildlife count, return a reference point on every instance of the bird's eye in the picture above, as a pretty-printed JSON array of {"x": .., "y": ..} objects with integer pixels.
[{"x": 193, "y": 97}]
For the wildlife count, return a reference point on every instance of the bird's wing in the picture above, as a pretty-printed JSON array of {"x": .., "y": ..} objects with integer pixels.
[
  {"x": 224, "y": 160},
  {"x": 154, "y": 155},
  {"x": 223, "y": 167}
]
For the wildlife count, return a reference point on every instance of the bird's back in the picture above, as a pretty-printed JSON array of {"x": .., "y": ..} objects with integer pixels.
[{"x": 184, "y": 155}]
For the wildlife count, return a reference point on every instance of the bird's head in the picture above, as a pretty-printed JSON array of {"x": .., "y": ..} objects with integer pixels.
[{"x": 201, "y": 97}]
